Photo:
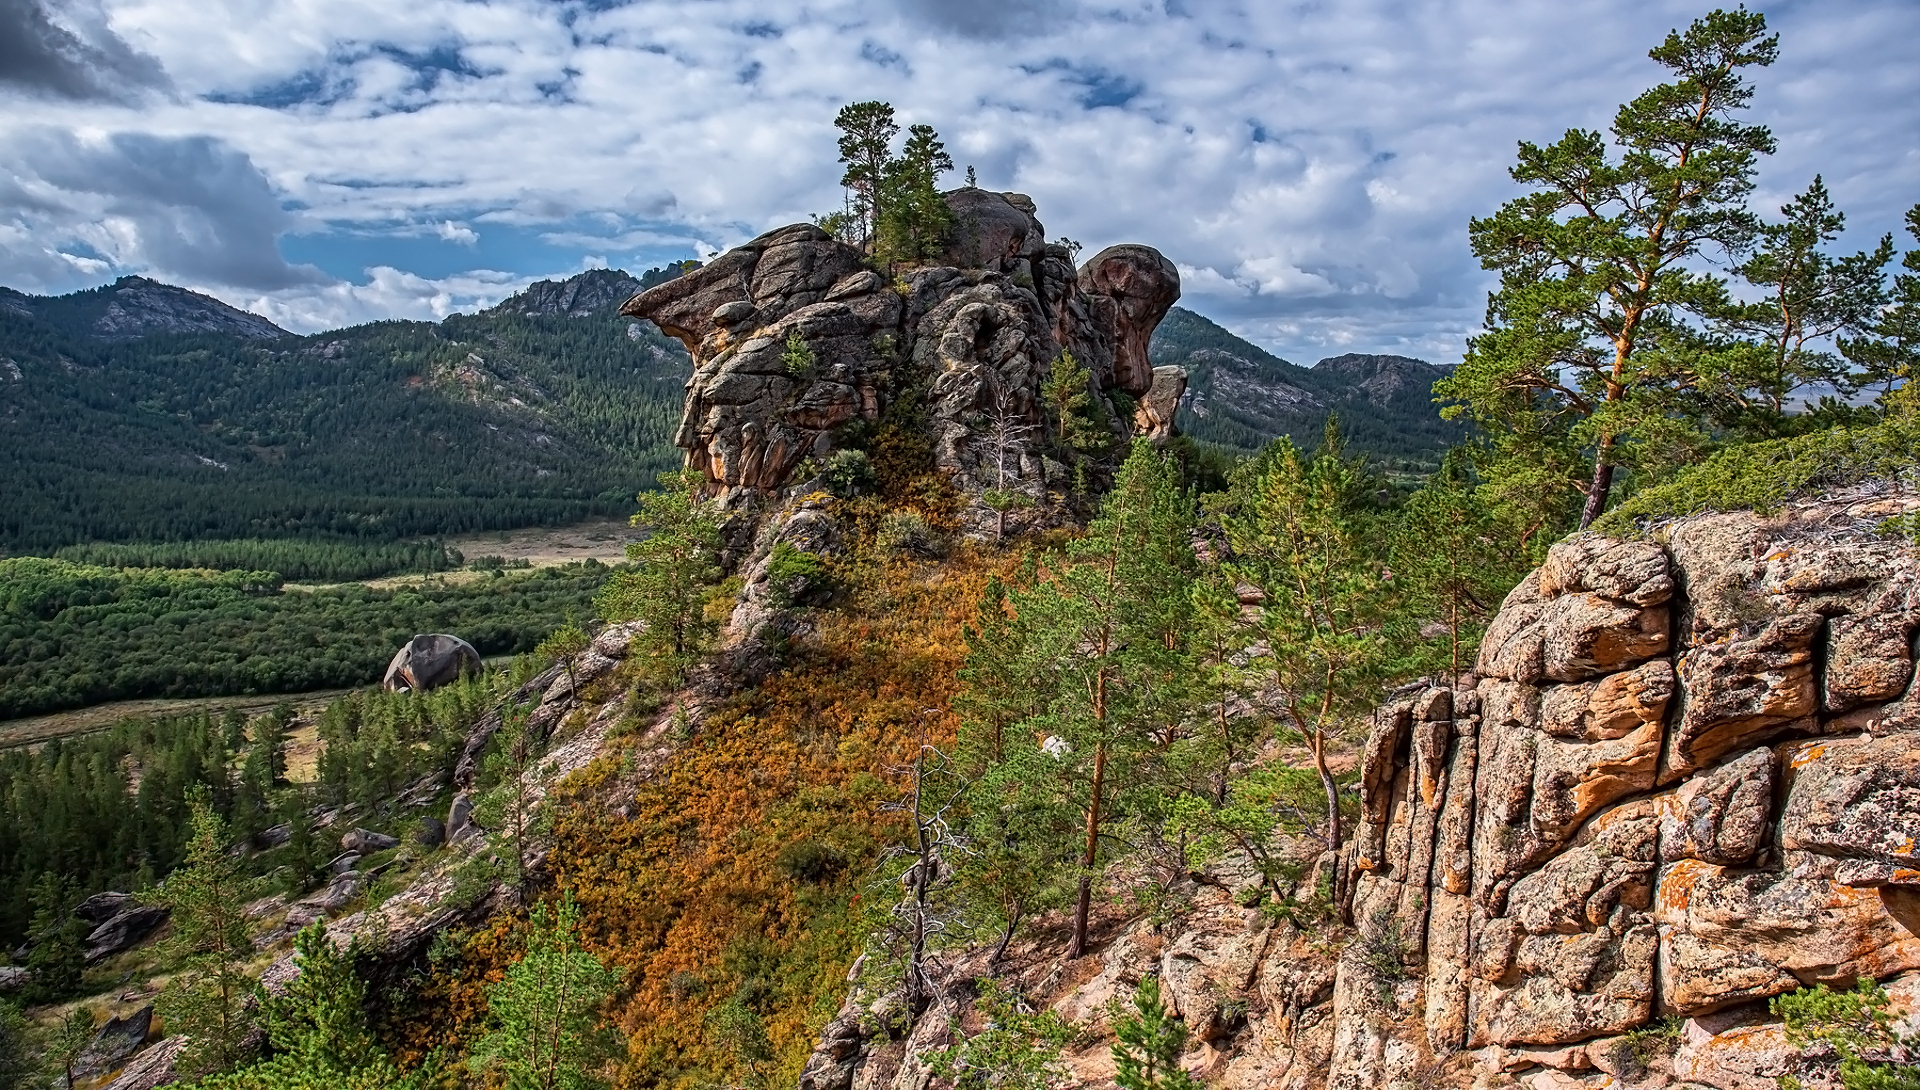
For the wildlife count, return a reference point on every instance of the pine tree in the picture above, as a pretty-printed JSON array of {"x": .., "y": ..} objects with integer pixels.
[
  {"x": 1454, "y": 559},
  {"x": 545, "y": 1012},
  {"x": 1109, "y": 622},
  {"x": 57, "y": 958},
  {"x": 1147, "y": 1054},
  {"x": 677, "y": 563},
  {"x": 1809, "y": 296},
  {"x": 1068, "y": 391},
  {"x": 1591, "y": 341},
  {"x": 1888, "y": 350},
  {"x": 562, "y": 646},
  {"x": 867, "y": 130},
  {"x": 1330, "y": 616},
  {"x": 67, "y": 1041},
  {"x": 915, "y": 221},
  {"x": 19, "y": 1067},
  {"x": 207, "y": 1000}
]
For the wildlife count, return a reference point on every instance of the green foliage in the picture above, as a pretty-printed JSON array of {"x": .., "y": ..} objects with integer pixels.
[
  {"x": 65, "y": 1043},
  {"x": 317, "y": 1031},
  {"x": 742, "y": 1033},
  {"x": 847, "y": 473},
  {"x": 57, "y": 958},
  {"x": 914, "y": 221},
  {"x": 798, "y": 358},
  {"x": 675, "y": 565},
  {"x": 72, "y": 635},
  {"x": 369, "y": 435},
  {"x": 561, "y": 646},
  {"x": 795, "y": 576},
  {"x": 545, "y": 1012},
  {"x": 1068, "y": 392},
  {"x": 1809, "y": 296},
  {"x": 300, "y": 561},
  {"x": 867, "y": 130},
  {"x": 1593, "y": 344},
  {"x": 1147, "y": 1054},
  {"x": 1016, "y": 1048},
  {"x": 1762, "y": 476},
  {"x": 1887, "y": 352},
  {"x": 209, "y": 996},
  {"x": 19, "y": 1068},
  {"x": 1334, "y": 620},
  {"x": 1455, "y": 559},
  {"x": 1859, "y": 1030}
]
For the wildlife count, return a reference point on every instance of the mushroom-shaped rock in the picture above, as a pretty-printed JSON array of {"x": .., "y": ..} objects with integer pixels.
[
  {"x": 429, "y": 661},
  {"x": 1143, "y": 286}
]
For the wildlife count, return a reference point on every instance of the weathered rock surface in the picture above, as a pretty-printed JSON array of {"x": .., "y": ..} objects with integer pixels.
[
  {"x": 429, "y": 661},
  {"x": 123, "y": 931},
  {"x": 114, "y": 1043},
  {"x": 967, "y": 341}
]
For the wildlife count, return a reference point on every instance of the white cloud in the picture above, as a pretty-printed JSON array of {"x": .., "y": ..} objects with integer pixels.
[
  {"x": 457, "y": 232},
  {"x": 387, "y": 293},
  {"x": 1314, "y": 165}
]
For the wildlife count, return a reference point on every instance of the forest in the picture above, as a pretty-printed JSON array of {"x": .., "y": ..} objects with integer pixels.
[
  {"x": 73, "y": 635},
  {"x": 380, "y": 433}
]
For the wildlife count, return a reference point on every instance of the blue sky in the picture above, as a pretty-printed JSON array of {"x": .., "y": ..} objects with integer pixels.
[{"x": 1311, "y": 167}]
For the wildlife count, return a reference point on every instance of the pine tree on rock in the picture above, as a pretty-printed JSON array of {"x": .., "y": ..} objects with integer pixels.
[
  {"x": 677, "y": 564},
  {"x": 546, "y": 1010},
  {"x": 1592, "y": 341}
]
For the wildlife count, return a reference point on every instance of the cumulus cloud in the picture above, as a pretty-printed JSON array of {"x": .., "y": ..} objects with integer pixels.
[
  {"x": 70, "y": 53},
  {"x": 386, "y": 293},
  {"x": 189, "y": 207},
  {"x": 1313, "y": 166}
]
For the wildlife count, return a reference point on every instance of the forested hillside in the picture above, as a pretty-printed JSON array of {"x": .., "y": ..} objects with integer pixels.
[
  {"x": 526, "y": 414},
  {"x": 1241, "y": 397}
]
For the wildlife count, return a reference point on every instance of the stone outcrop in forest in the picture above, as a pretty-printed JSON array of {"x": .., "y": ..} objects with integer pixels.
[
  {"x": 1687, "y": 779},
  {"x": 801, "y": 348},
  {"x": 1684, "y": 779}
]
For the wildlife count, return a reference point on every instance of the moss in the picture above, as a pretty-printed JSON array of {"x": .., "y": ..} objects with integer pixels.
[{"x": 1762, "y": 476}]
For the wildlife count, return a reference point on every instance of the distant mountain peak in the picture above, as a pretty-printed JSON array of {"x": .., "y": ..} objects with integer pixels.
[
  {"x": 1381, "y": 377},
  {"x": 577, "y": 296},
  {"x": 135, "y": 306}
]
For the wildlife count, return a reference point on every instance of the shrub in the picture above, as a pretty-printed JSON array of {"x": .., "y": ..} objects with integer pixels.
[
  {"x": 1762, "y": 476},
  {"x": 795, "y": 577},
  {"x": 907, "y": 532},
  {"x": 847, "y": 473}
]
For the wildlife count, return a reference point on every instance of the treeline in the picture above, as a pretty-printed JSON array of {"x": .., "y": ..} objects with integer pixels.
[
  {"x": 73, "y": 635},
  {"x": 378, "y": 433},
  {"x": 295, "y": 560}
]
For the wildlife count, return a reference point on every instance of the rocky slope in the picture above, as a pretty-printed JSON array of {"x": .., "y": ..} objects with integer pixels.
[
  {"x": 1684, "y": 779},
  {"x": 968, "y": 341}
]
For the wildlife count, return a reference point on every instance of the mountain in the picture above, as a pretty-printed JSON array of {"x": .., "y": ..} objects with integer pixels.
[
  {"x": 134, "y": 306},
  {"x": 140, "y": 411},
  {"x": 1240, "y": 396}
]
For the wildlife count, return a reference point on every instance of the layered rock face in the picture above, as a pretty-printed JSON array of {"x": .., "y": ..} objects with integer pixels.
[
  {"x": 970, "y": 341},
  {"x": 1685, "y": 780}
]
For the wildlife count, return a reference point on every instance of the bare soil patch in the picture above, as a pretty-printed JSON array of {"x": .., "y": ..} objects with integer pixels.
[{"x": 604, "y": 540}]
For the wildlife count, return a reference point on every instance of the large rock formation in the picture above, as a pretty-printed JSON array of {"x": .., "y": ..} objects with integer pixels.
[
  {"x": 967, "y": 343},
  {"x": 1686, "y": 779},
  {"x": 429, "y": 661}
]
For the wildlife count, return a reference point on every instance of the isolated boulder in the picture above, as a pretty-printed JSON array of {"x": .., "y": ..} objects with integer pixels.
[
  {"x": 123, "y": 931},
  {"x": 366, "y": 841},
  {"x": 13, "y": 978},
  {"x": 101, "y": 907},
  {"x": 115, "y": 1043},
  {"x": 430, "y": 661}
]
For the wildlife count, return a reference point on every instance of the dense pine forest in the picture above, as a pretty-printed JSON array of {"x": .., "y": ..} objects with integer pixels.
[{"x": 377, "y": 433}]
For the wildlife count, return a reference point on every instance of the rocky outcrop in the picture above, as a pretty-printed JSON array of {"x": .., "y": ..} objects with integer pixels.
[
  {"x": 134, "y": 306},
  {"x": 430, "y": 661},
  {"x": 123, "y": 930},
  {"x": 801, "y": 349},
  {"x": 1686, "y": 779},
  {"x": 590, "y": 292}
]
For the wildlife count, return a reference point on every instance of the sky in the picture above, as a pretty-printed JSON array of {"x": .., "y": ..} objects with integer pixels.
[{"x": 1310, "y": 167}]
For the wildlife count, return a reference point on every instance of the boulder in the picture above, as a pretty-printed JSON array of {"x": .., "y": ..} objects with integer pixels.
[
  {"x": 115, "y": 1043},
  {"x": 460, "y": 824},
  {"x": 429, "y": 661},
  {"x": 990, "y": 232},
  {"x": 101, "y": 907},
  {"x": 366, "y": 841},
  {"x": 151, "y": 1068},
  {"x": 431, "y": 834},
  {"x": 123, "y": 931},
  {"x": 13, "y": 978}
]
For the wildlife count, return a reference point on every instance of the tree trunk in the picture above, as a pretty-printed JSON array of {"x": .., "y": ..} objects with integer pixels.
[
  {"x": 1084, "y": 903},
  {"x": 1597, "y": 494}
]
